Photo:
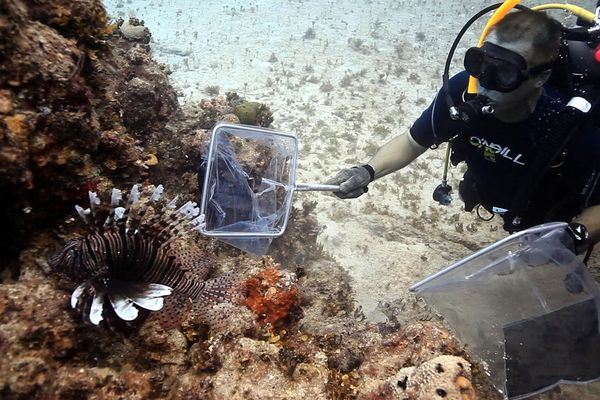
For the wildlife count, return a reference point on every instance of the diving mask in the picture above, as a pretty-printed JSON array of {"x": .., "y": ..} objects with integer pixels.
[{"x": 498, "y": 68}]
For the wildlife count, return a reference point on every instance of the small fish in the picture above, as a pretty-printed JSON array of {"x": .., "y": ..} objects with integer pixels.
[{"x": 142, "y": 257}]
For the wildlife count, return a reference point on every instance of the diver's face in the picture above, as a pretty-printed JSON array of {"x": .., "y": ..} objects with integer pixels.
[{"x": 518, "y": 96}]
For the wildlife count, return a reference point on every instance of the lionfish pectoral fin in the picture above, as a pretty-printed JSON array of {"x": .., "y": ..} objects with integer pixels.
[
  {"x": 223, "y": 288},
  {"x": 97, "y": 308},
  {"x": 173, "y": 313},
  {"x": 123, "y": 306},
  {"x": 152, "y": 304},
  {"x": 76, "y": 295},
  {"x": 145, "y": 295},
  {"x": 156, "y": 290},
  {"x": 152, "y": 298}
]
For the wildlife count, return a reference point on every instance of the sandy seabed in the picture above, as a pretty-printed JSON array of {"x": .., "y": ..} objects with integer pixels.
[{"x": 345, "y": 77}]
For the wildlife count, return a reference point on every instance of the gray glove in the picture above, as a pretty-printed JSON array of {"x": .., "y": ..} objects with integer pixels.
[{"x": 353, "y": 182}]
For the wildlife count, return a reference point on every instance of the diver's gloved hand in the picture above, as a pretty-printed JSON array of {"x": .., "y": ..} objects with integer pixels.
[
  {"x": 579, "y": 236},
  {"x": 352, "y": 181},
  {"x": 576, "y": 238}
]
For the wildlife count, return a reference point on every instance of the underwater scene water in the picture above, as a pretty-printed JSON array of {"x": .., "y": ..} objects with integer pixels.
[{"x": 109, "y": 106}]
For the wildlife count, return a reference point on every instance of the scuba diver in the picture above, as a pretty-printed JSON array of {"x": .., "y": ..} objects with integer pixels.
[{"x": 501, "y": 133}]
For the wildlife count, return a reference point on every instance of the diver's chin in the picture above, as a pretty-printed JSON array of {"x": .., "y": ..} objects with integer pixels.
[
  {"x": 493, "y": 95},
  {"x": 499, "y": 100}
]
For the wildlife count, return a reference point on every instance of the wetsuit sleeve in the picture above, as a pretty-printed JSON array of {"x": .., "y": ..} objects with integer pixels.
[{"x": 435, "y": 126}]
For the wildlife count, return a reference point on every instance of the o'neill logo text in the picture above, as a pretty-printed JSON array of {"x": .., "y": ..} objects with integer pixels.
[{"x": 491, "y": 150}]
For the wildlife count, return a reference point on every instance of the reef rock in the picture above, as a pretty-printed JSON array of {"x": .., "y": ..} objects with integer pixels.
[
  {"x": 443, "y": 377},
  {"x": 253, "y": 113},
  {"x": 272, "y": 296},
  {"x": 250, "y": 370},
  {"x": 70, "y": 101},
  {"x": 135, "y": 30},
  {"x": 411, "y": 345}
]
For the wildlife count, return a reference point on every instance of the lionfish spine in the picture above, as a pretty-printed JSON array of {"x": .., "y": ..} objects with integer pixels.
[{"x": 115, "y": 211}]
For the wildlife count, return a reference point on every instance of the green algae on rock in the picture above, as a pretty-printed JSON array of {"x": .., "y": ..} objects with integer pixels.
[{"x": 254, "y": 113}]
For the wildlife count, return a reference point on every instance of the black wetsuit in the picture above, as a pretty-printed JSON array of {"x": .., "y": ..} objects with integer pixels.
[{"x": 497, "y": 155}]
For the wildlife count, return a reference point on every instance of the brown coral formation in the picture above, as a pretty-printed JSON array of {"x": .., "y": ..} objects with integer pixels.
[
  {"x": 229, "y": 108},
  {"x": 443, "y": 377},
  {"x": 74, "y": 110},
  {"x": 272, "y": 296}
]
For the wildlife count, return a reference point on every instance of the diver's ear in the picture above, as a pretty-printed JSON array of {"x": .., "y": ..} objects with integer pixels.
[{"x": 542, "y": 78}]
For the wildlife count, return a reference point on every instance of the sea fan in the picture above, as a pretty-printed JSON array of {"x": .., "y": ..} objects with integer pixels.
[{"x": 139, "y": 258}]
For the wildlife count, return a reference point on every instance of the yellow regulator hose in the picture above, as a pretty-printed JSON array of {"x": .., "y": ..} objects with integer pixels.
[{"x": 573, "y": 9}]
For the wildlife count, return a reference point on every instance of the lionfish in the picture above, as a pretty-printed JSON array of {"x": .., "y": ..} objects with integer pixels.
[{"x": 140, "y": 258}]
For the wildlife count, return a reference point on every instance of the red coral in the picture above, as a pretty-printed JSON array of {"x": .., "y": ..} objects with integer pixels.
[{"x": 271, "y": 296}]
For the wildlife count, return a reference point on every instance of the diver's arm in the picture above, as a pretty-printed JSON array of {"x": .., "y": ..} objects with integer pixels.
[
  {"x": 395, "y": 154},
  {"x": 590, "y": 218}
]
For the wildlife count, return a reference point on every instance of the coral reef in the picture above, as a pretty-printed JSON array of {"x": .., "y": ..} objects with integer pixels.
[
  {"x": 135, "y": 30},
  {"x": 273, "y": 296},
  {"x": 230, "y": 108},
  {"x": 251, "y": 370},
  {"x": 83, "y": 106},
  {"x": 444, "y": 377},
  {"x": 75, "y": 111},
  {"x": 253, "y": 113}
]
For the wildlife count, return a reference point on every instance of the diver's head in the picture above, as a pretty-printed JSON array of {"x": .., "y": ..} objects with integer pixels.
[{"x": 515, "y": 61}]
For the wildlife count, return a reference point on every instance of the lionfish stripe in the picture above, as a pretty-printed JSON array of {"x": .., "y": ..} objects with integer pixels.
[
  {"x": 96, "y": 309},
  {"x": 130, "y": 249},
  {"x": 87, "y": 255},
  {"x": 147, "y": 256},
  {"x": 123, "y": 306},
  {"x": 166, "y": 275},
  {"x": 113, "y": 246},
  {"x": 76, "y": 295},
  {"x": 98, "y": 248},
  {"x": 191, "y": 288},
  {"x": 157, "y": 270}
]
